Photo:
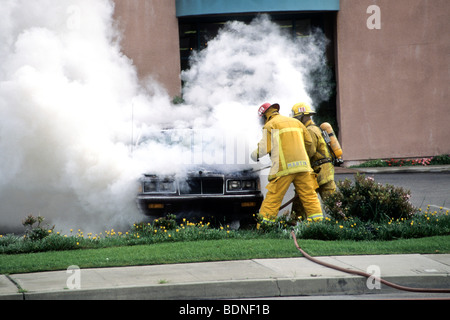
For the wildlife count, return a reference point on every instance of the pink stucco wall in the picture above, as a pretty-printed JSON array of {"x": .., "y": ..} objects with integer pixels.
[
  {"x": 394, "y": 82},
  {"x": 150, "y": 39}
]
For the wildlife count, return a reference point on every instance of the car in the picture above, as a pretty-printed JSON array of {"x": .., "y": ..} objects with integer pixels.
[{"x": 212, "y": 193}]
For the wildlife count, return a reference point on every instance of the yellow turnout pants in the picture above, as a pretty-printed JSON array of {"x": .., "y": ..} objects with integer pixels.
[
  {"x": 305, "y": 186},
  {"x": 298, "y": 211}
]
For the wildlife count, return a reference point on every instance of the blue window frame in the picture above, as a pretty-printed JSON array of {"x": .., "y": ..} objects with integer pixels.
[{"x": 187, "y": 8}]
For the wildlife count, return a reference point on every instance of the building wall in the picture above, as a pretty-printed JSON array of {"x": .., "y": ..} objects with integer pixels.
[
  {"x": 393, "y": 92},
  {"x": 393, "y": 82},
  {"x": 150, "y": 39}
]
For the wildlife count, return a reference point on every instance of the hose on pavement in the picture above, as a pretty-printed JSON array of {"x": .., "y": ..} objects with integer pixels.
[{"x": 360, "y": 273}]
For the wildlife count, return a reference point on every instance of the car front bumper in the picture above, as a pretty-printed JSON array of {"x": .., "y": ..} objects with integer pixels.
[{"x": 221, "y": 207}]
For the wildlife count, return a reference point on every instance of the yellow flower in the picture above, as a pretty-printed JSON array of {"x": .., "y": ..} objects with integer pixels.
[{"x": 341, "y": 226}]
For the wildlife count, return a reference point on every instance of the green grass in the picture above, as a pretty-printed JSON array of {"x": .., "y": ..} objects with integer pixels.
[{"x": 211, "y": 250}]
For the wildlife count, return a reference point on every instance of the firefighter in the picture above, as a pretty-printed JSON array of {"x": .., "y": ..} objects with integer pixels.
[
  {"x": 320, "y": 158},
  {"x": 286, "y": 141}
]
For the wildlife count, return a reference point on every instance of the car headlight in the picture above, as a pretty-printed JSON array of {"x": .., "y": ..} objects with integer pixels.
[
  {"x": 249, "y": 185},
  {"x": 234, "y": 185},
  {"x": 159, "y": 186},
  {"x": 167, "y": 186},
  {"x": 242, "y": 185},
  {"x": 150, "y": 186}
]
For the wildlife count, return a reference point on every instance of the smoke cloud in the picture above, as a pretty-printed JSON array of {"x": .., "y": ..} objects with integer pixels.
[{"x": 78, "y": 128}]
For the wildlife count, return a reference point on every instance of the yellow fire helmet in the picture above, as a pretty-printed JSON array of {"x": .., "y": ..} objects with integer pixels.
[{"x": 301, "y": 109}]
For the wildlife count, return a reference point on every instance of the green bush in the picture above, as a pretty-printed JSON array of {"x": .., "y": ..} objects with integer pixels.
[
  {"x": 367, "y": 200},
  {"x": 372, "y": 163},
  {"x": 36, "y": 232},
  {"x": 440, "y": 160}
]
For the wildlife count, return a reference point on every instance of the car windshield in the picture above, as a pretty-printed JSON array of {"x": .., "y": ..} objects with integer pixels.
[{"x": 205, "y": 147}]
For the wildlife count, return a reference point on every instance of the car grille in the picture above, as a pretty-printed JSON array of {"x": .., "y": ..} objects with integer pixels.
[{"x": 202, "y": 185}]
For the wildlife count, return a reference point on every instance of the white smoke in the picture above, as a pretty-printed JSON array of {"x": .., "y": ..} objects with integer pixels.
[
  {"x": 254, "y": 63},
  {"x": 75, "y": 120},
  {"x": 68, "y": 101}
]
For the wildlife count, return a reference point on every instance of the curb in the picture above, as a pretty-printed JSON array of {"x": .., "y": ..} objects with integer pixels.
[{"x": 278, "y": 288}]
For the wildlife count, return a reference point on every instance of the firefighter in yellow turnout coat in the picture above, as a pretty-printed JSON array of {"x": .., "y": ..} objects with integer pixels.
[
  {"x": 284, "y": 138},
  {"x": 320, "y": 157}
]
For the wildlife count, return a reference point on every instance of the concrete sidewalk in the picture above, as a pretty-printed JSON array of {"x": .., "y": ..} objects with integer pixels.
[{"x": 234, "y": 279}]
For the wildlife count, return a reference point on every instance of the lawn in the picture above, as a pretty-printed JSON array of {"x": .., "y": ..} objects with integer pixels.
[{"x": 211, "y": 250}]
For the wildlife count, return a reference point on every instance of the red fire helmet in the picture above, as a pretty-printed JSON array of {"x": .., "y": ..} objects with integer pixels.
[{"x": 263, "y": 108}]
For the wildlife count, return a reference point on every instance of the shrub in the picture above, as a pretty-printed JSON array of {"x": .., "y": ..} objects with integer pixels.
[
  {"x": 372, "y": 163},
  {"x": 440, "y": 160},
  {"x": 37, "y": 232},
  {"x": 367, "y": 200}
]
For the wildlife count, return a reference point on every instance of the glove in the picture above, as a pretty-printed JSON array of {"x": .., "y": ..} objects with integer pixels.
[{"x": 254, "y": 155}]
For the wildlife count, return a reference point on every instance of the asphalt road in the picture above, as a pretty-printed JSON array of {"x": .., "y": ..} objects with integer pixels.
[{"x": 426, "y": 188}]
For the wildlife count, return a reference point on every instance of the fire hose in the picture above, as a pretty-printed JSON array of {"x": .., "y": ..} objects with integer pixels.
[{"x": 360, "y": 273}]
